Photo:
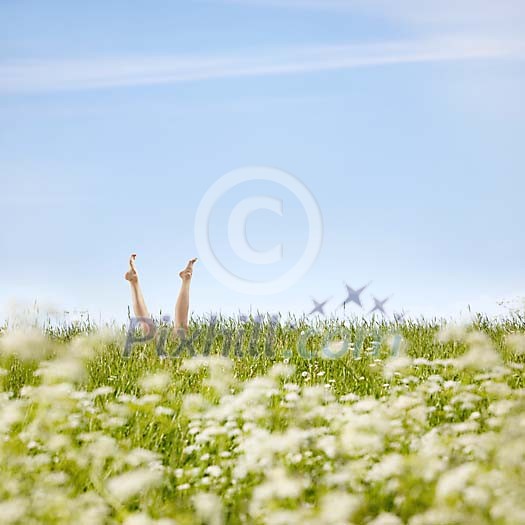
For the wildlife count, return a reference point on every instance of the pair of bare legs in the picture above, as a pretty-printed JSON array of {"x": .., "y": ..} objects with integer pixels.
[{"x": 182, "y": 305}]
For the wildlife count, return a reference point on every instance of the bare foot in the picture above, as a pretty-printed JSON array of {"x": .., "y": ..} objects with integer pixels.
[
  {"x": 131, "y": 275},
  {"x": 186, "y": 274}
]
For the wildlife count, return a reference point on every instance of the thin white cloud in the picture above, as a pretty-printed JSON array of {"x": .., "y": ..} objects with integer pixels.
[
  {"x": 472, "y": 11},
  {"x": 423, "y": 17},
  {"x": 52, "y": 75}
]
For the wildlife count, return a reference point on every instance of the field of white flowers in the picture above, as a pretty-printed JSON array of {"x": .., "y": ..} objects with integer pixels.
[{"x": 431, "y": 434}]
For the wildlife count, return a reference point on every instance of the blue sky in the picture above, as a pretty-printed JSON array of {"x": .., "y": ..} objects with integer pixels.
[{"x": 404, "y": 119}]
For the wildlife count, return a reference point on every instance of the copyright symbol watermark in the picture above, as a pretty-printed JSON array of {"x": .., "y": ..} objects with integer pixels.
[{"x": 236, "y": 230}]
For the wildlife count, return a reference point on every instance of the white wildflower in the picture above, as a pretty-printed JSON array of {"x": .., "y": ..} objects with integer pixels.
[
  {"x": 390, "y": 465},
  {"x": 455, "y": 480},
  {"x": 358, "y": 443},
  {"x": 193, "y": 403},
  {"x": 214, "y": 470},
  {"x": 349, "y": 397},
  {"x": 13, "y": 511},
  {"x": 328, "y": 444},
  {"x": 138, "y": 519},
  {"x": 66, "y": 368},
  {"x": 438, "y": 516},
  {"x": 516, "y": 342},
  {"x": 141, "y": 456},
  {"x": 481, "y": 355},
  {"x": 291, "y": 397},
  {"x": 141, "y": 518},
  {"x": 57, "y": 478},
  {"x": 132, "y": 483},
  {"x": 279, "y": 486},
  {"x": 365, "y": 405},
  {"x": 502, "y": 407},
  {"x": 196, "y": 363},
  {"x": 148, "y": 399},
  {"x": 335, "y": 349},
  {"x": 466, "y": 400},
  {"x": 27, "y": 344},
  {"x": 281, "y": 370},
  {"x": 497, "y": 389},
  {"x": 451, "y": 332},
  {"x": 11, "y": 413},
  {"x": 90, "y": 509},
  {"x": 102, "y": 391},
  {"x": 338, "y": 507},
  {"x": 208, "y": 508},
  {"x": 103, "y": 447},
  {"x": 155, "y": 382},
  {"x": 82, "y": 347},
  {"x": 396, "y": 364},
  {"x": 386, "y": 518},
  {"x": 164, "y": 411},
  {"x": 476, "y": 496}
]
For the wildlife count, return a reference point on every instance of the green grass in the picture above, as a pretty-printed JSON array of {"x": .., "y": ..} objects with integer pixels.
[{"x": 244, "y": 428}]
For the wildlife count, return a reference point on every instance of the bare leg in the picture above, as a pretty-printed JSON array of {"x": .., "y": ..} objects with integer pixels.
[
  {"x": 139, "y": 306},
  {"x": 183, "y": 300}
]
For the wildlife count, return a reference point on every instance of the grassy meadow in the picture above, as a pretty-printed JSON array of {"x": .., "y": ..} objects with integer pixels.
[{"x": 301, "y": 421}]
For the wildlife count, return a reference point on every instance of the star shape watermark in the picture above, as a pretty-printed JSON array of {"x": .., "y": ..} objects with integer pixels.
[
  {"x": 319, "y": 306},
  {"x": 354, "y": 296},
  {"x": 379, "y": 306}
]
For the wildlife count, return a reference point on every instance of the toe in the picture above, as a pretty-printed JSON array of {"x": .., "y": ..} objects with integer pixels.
[{"x": 189, "y": 266}]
